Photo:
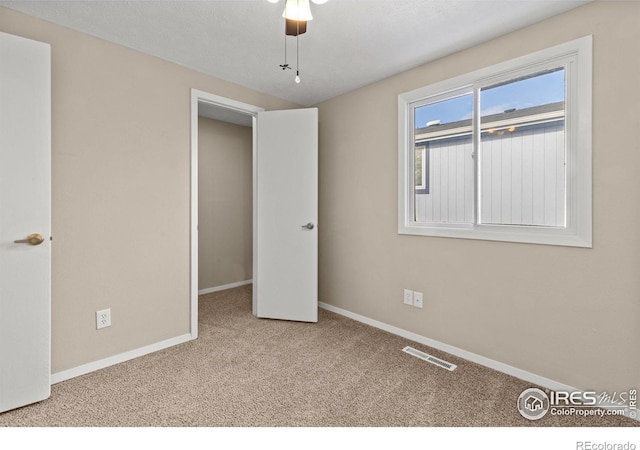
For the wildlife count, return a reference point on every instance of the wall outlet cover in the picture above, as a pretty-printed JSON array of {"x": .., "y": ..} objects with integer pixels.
[
  {"x": 103, "y": 318},
  {"x": 417, "y": 299},
  {"x": 408, "y": 297}
]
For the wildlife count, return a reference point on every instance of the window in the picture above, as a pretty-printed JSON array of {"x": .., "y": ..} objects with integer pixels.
[{"x": 503, "y": 153}]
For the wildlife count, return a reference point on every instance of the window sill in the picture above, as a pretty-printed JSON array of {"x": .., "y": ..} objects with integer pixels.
[{"x": 502, "y": 233}]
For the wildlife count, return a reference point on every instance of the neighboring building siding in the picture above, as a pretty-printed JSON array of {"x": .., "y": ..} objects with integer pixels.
[
  {"x": 450, "y": 198},
  {"x": 522, "y": 178}
]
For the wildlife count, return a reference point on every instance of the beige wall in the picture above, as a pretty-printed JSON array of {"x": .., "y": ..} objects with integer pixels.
[
  {"x": 121, "y": 211},
  {"x": 225, "y": 208},
  {"x": 120, "y": 190},
  {"x": 567, "y": 314}
]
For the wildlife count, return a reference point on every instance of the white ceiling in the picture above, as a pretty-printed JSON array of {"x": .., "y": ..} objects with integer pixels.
[{"x": 348, "y": 44}]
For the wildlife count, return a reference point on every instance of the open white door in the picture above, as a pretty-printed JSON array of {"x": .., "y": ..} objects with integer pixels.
[
  {"x": 25, "y": 268},
  {"x": 285, "y": 216}
]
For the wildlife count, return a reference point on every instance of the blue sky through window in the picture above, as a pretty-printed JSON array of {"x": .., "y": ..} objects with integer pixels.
[{"x": 534, "y": 91}]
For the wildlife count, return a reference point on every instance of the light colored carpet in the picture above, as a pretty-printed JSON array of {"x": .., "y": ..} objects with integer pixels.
[{"x": 244, "y": 371}]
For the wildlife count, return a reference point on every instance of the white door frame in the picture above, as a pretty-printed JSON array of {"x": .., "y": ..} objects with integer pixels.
[{"x": 198, "y": 96}]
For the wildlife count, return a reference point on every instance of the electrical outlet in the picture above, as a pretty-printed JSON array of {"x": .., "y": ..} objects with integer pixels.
[
  {"x": 408, "y": 297},
  {"x": 417, "y": 299},
  {"x": 103, "y": 318}
]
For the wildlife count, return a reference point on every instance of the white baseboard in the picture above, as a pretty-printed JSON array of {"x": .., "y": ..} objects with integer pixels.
[
  {"x": 469, "y": 356},
  {"x": 116, "y": 359},
  {"x": 490, "y": 363},
  {"x": 122, "y": 357},
  {"x": 224, "y": 287}
]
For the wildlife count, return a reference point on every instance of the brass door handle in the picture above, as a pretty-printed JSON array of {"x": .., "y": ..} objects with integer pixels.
[{"x": 32, "y": 239}]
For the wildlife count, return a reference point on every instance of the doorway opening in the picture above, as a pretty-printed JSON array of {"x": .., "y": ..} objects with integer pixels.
[
  {"x": 214, "y": 120},
  {"x": 224, "y": 201}
]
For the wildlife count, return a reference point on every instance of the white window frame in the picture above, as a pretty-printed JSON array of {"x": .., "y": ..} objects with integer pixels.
[{"x": 576, "y": 57}]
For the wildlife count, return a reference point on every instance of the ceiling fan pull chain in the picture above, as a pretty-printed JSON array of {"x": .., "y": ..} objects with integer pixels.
[{"x": 297, "y": 79}]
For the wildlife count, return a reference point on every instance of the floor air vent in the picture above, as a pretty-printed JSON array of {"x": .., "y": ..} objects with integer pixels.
[{"x": 432, "y": 359}]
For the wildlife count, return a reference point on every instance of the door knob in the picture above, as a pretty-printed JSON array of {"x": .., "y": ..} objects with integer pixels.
[
  {"x": 32, "y": 239},
  {"x": 308, "y": 226}
]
